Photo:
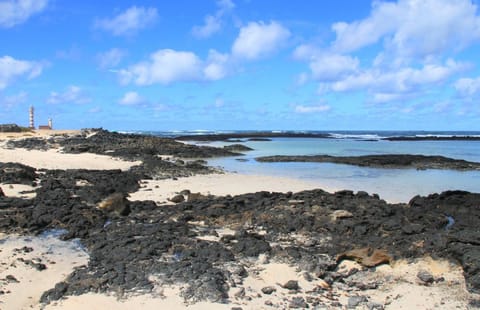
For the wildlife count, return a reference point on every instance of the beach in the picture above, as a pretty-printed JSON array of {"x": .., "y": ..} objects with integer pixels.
[{"x": 185, "y": 235}]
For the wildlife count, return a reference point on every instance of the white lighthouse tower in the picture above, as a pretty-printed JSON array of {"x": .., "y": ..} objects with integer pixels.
[{"x": 31, "y": 123}]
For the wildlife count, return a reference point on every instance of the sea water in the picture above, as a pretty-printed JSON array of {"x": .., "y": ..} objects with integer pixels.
[{"x": 394, "y": 185}]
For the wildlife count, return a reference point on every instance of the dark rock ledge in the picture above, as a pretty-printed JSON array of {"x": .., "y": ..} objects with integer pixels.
[
  {"x": 382, "y": 161},
  {"x": 125, "y": 250}
]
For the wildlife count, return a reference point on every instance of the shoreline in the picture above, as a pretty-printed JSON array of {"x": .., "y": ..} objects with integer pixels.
[{"x": 264, "y": 228}]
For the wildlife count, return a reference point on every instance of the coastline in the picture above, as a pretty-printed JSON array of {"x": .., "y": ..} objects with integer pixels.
[{"x": 400, "y": 285}]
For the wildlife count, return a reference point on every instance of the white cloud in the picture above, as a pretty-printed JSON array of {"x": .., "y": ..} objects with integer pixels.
[
  {"x": 312, "y": 108},
  {"x": 301, "y": 79},
  {"x": 13, "y": 100},
  {"x": 258, "y": 39},
  {"x": 217, "y": 66},
  {"x": 398, "y": 81},
  {"x": 324, "y": 65},
  {"x": 328, "y": 67},
  {"x": 129, "y": 22},
  {"x": 225, "y": 5},
  {"x": 412, "y": 28},
  {"x": 213, "y": 23},
  {"x": 73, "y": 94},
  {"x": 164, "y": 67},
  {"x": 467, "y": 87},
  {"x": 14, "y": 12},
  {"x": 389, "y": 97},
  {"x": 11, "y": 69},
  {"x": 131, "y": 98},
  {"x": 110, "y": 58}
]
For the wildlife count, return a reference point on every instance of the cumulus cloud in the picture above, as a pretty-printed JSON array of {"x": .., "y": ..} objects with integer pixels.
[
  {"x": 411, "y": 28},
  {"x": 128, "y": 22},
  {"x": 73, "y": 94},
  {"x": 14, "y": 12},
  {"x": 11, "y": 69},
  {"x": 167, "y": 66},
  {"x": 131, "y": 98},
  {"x": 468, "y": 87},
  {"x": 326, "y": 66},
  {"x": 411, "y": 53},
  {"x": 164, "y": 67},
  {"x": 312, "y": 108},
  {"x": 399, "y": 81},
  {"x": 217, "y": 66},
  {"x": 110, "y": 58},
  {"x": 259, "y": 39},
  {"x": 213, "y": 23}
]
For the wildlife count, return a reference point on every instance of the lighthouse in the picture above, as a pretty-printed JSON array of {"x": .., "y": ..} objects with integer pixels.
[{"x": 31, "y": 124}]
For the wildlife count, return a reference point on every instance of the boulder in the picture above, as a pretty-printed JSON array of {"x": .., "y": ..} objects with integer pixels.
[
  {"x": 367, "y": 257},
  {"x": 116, "y": 203},
  {"x": 177, "y": 199}
]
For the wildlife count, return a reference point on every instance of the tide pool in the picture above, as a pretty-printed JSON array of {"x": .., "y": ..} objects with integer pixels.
[{"x": 394, "y": 185}]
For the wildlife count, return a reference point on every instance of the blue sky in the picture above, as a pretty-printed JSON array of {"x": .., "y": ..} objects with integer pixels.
[{"x": 241, "y": 64}]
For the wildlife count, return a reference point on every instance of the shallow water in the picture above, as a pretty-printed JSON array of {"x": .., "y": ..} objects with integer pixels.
[{"x": 395, "y": 185}]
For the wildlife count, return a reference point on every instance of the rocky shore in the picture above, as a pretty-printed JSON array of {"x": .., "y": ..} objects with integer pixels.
[
  {"x": 433, "y": 138},
  {"x": 212, "y": 247},
  {"x": 252, "y": 136},
  {"x": 420, "y": 162}
]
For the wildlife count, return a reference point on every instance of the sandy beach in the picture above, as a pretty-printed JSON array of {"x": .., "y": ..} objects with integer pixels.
[{"x": 31, "y": 265}]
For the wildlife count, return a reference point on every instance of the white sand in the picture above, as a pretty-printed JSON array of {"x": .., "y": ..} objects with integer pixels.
[
  {"x": 37, "y": 134},
  {"x": 59, "y": 257},
  {"x": 398, "y": 289},
  {"x": 53, "y": 159},
  {"x": 401, "y": 289},
  {"x": 17, "y": 190},
  {"x": 220, "y": 185}
]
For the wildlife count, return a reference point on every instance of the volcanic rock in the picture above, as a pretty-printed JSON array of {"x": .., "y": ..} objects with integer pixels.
[
  {"x": 382, "y": 161},
  {"x": 298, "y": 303},
  {"x": 116, "y": 203},
  {"x": 237, "y": 148},
  {"x": 177, "y": 199},
  {"x": 425, "y": 277},
  {"x": 354, "y": 301},
  {"x": 268, "y": 290},
  {"x": 291, "y": 285},
  {"x": 14, "y": 173}
]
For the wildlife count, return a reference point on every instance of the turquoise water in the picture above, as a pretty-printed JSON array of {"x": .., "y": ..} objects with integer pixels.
[{"x": 395, "y": 185}]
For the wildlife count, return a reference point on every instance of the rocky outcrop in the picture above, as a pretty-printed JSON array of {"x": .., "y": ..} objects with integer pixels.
[
  {"x": 382, "y": 161},
  {"x": 127, "y": 146},
  {"x": 252, "y": 136},
  {"x": 314, "y": 230},
  {"x": 14, "y": 173},
  {"x": 433, "y": 138},
  {"x": 237, "y": 148}
]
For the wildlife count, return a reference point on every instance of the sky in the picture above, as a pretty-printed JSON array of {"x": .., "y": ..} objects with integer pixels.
[{"x": 241, "y": 64}]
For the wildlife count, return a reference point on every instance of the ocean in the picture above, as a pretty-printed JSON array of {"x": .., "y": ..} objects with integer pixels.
[{"x": 393, "y": 185}]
